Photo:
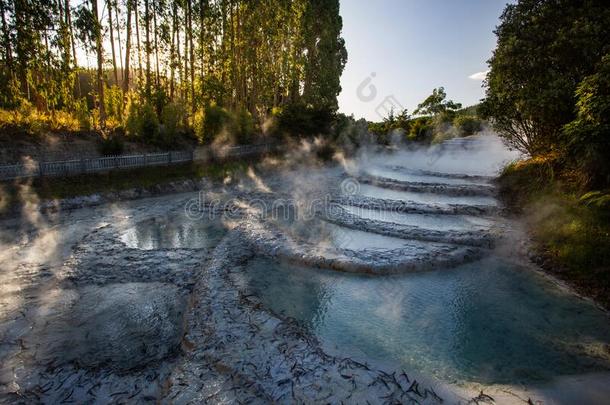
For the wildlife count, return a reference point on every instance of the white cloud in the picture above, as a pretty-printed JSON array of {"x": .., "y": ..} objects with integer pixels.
[{"x": 478, "y": 75}]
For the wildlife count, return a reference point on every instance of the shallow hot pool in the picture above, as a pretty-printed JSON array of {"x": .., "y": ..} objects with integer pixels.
[
  {"x": 174, "y": 231},
  {"x": 486, "y": 322}
]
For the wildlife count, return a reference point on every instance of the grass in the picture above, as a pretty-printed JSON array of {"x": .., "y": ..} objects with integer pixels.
[
  {"x": 34, "y": 123},
  {"x": 571, "y": 232}
]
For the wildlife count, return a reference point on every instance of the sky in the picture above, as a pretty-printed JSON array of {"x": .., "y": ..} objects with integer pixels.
[{"x": 399, "y": 50}]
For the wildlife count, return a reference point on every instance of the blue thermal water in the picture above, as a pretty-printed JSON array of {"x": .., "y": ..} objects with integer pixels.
[{"x": 489, "y": 321}]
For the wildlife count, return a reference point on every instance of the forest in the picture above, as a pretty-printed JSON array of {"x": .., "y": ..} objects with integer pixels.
[{"x": 162, "y": 69}]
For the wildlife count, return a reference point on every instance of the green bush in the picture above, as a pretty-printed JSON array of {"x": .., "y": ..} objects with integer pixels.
[
  {"x": 173, "y": 119},
  {"x": 10, "y": 90},
  {"x": 326, "y": 151},
  {"x": 159, "y": 99},
  {"x": 26, "y": 119},
  {"x": 142, "y": 121},
  {"x": 149, "y": 124},
  {"x": 467, "y": 124},
  {"x": 523, "y": 179},
  {"x": 113, "y": 101},
  {"x": 112, "y": 145},
  {"x": 197, "y": 123},
  {"x": 81, "y": 112},
  {"x": 242, "y": 127},
  {"x": 421, "y": 129},
  {"x": 214, "y": 121},
  {"x": 299, "y": 119}
]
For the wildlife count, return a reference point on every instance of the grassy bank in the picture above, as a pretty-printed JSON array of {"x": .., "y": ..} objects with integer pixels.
[
  {"x": 570, "y": 229},
  {"x": 44, "y": 188}
]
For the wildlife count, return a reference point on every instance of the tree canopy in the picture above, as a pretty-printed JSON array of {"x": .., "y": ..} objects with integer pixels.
[
  {"x": 545, "y": 50},
  {"x": 436, "y": 103},
  {"x": 250, "y": 56}
]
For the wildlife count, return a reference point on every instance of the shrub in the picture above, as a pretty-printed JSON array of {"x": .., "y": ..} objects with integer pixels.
[
  {"x": 215, "y": 119},
  {"x": 197, "y": 123},
  {"x": 159, "y": 98},
  {"x": 304, "y": 120},
  {"x": 173, "y": 118},
  {"x": 81, "y": 112},
  {"x": 348, "y": 132},
  {"x": 242, "y": 127},
  {"x": 523, "y": 178},
  {"x": 26, "y": 119},
  {"x": 131, "y": 119},
  {"x": 149, "y": 124},
  {"x": 63, "y": 121},
  {"x": 271, "y": 124},
  {"x": 113, "y": 101},
  {"x": 111, "y": 145},
  {"x": 467, "y": 124},
  {"x": 421, "y": 129},
  {"x": 10, "y": 90},
  {"x": 142, "y": 121},
  {"x": 326, "y": 151}
]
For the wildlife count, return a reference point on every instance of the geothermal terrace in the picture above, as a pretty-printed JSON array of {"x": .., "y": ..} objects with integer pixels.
[{"x": 167, "y": 298}]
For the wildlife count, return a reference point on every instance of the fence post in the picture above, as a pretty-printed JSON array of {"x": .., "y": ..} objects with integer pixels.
[{"x": 169, "y": 157}]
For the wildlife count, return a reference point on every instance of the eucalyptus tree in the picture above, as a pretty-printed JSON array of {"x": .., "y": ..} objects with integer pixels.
[
  {"x": 97, "y": 29},
  {"x": 241, "y": 55}
]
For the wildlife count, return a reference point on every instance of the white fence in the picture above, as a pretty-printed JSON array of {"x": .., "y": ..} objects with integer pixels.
[{"x": 81, "y": 166}]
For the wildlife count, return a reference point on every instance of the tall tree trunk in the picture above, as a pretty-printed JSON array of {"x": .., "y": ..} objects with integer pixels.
[
  {"x": 118, "y": 32},
  {"x": 62, "y": 33},
  {"x": 69, "y": 20},
  {"x": 178, "y": 58},
  {"x": 137, "y": 16},
  {"x": 223, "y": 50},
  {"x": 241, "y": 63},
  {"x": 21, "y": 24},
  {"x": 185, "y": 87},
  {"x": 202, "y": 41},
  {"x": 127, "y": 52},
  {"x": 172, "y": 53},
  {"x": 46, "y": 76},
  {"x": 192, "y": 53},
  {"x": 100, "y": 64},
  {"x": 147, "y": 47},
  {"x": 234, "y": 92},
  {"x": 158, "y": 72},
  {"x": 8, "y": 52},
  {"x": 111, "y": 30}
]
